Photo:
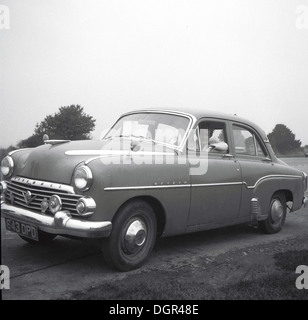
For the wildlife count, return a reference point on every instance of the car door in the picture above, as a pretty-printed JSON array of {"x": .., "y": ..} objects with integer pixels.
[
  {"x": 216, "y": 185},
  {"x": 254, "y": 161}
]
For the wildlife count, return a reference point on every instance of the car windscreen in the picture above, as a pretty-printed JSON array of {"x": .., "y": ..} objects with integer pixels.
[{"x": 164, "y": 128}]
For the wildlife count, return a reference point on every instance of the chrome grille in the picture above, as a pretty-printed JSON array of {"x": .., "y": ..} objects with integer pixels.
[{"x": 18, "y": 187}]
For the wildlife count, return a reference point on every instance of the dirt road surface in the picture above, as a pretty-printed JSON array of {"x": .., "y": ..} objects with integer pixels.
[{"x": 64, "y": 267}]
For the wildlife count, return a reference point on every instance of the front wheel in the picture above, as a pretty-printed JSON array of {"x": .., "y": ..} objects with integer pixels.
[
  {"x": 132, "y": 238},
  {"x": 276, "y": 214}
]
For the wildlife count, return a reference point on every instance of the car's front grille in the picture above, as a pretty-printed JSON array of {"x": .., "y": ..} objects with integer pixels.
[{"x": 28, "y": 193}]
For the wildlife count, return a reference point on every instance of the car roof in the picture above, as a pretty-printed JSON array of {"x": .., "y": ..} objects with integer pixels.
[{"x": 199, "y": 113}]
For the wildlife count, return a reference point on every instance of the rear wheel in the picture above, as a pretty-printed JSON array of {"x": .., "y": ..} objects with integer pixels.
[
  {"x": 132, "y": 238},
  {"x": 43, "y": 237},
  {"x": 276, "y": 214}
]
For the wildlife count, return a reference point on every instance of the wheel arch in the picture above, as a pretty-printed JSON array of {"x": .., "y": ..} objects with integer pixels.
[
  {"x": 287, "y": 193},
  {"x": 157, "y": 207},
  {"x": 264, "y": 198}
]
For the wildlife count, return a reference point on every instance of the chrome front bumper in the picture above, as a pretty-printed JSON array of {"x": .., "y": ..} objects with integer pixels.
[{"x": 61, "y": 223}]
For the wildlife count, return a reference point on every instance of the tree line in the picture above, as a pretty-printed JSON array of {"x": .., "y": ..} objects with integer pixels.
[
  {"x": 69, "y": 123},
  {"x": 72, "y": 123}
]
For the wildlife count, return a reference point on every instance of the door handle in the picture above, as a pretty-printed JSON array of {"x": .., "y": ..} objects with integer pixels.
[{"x": 227, "y": 156}]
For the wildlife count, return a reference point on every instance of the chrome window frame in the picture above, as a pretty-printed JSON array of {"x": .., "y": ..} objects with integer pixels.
[{"x": 256, "y": 138}]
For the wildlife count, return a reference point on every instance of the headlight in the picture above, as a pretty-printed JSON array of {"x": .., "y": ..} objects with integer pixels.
[
  {"x": 83, "y": 178},
  {"x": 7, "y": 166}
]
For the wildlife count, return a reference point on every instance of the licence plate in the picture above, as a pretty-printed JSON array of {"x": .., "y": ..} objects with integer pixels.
[{"x": 24, "y": 229}]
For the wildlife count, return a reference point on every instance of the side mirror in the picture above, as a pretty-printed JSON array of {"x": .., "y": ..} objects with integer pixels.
[{"x": 219, "y": 146}]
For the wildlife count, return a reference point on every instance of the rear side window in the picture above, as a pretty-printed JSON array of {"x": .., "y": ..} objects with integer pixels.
[{"x": 247, "y": 143}]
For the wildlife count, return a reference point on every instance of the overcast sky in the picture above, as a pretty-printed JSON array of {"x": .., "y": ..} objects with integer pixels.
[{"x": 245, "y": 57}]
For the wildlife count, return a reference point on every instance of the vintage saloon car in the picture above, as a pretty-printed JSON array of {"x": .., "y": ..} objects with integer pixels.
[{"x": 155, "y": 173}]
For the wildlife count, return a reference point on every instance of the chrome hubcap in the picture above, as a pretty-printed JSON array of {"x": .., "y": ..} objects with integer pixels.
[
  {"x": 135, "y": 236},
  {"x": 276, "y": 211}
]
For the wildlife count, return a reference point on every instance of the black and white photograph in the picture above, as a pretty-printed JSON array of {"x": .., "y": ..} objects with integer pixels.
[{"x": 154, "y": 153}]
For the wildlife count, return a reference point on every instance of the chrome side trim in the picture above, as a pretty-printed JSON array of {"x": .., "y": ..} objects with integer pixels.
[
  {"x": 112, "y": 153},
  {"x": 148, "y": 187},
  {"x": 18, "y": 150},
  {"x": 94, "y": 158},
  {"x": 270, "y": 176},
  {"x": 196, "y": 185},
  {"x": 169, "y": 186},
  {"x": 216, "y": 184},
  {"x": 132, "y": 153}
]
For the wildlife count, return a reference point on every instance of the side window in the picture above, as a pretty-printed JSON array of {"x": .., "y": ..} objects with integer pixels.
[
  {"x": 211, "y": 132},
  {"x": 243, "y": 141},
  {"x": 246, "y": 143}
]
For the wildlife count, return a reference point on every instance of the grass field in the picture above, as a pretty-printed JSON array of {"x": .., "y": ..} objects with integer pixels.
[{"x": 265, "y": 272}]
